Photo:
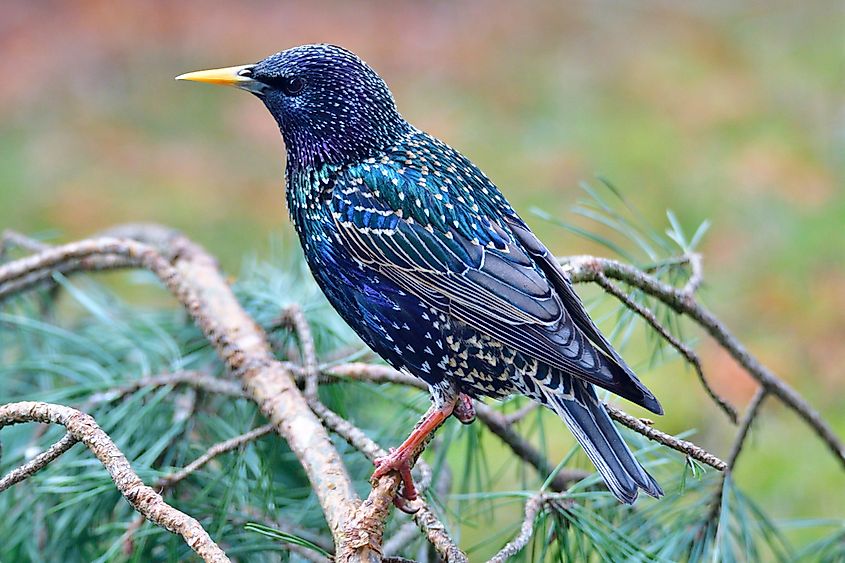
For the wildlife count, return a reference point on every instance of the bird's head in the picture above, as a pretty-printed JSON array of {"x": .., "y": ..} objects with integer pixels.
[{"x": 330, "y": 105}]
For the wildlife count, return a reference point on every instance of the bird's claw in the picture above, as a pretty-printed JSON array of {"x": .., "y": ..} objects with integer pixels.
[
  {"x": 464, "y": 410},
  {"x": 407, "y": 499}
]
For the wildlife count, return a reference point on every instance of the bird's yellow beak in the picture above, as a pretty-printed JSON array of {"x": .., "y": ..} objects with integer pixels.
[{"x": 237, "y": 76}]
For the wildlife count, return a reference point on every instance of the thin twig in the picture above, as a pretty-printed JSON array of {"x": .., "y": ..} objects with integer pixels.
[
  {"x": 168, "y": 481},
  {"x": 523, "y": 449},
  {"x": 294, "y": 317},
  {"x": 142, "y": 498},
  {"x": 682, "y": 348},
  {"x": 407, "y": 533},
  {"x": 518, "y": 415},
  {"x": 739, "y": 441},
  {"x": 38, "y": 462},
  {"x": 683, "y": 446},
  {"x": 587, "y": 268},
  {"x": 745, "y": 427},
  {"x": 696, "y": 275},
  {"x": 196, "y": 379},
  {"x": 526, "y": 531},
  {"x": 10, "y": 238}
]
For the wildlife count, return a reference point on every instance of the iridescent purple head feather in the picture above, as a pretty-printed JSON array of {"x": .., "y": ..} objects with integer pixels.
[{"x": 329, "y": 104}]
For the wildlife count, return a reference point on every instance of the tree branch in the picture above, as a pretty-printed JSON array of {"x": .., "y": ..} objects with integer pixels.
[
  {"x": 587, "y": 269},
  {"x": 368, "y": 526},
  {"x": 739, "y": 441},
  {"x": 518, "y": 415},
  {"x": 682, "y": 348},
  {"x": 683, "y": 446},
  {"x": 38, "y": 463},
  {"x": 741, "y": 435},
  {"x": 195, "y": 379},
  {"x": 295, "y": 319},
  {"x": 168, "y": 481},
  {"x": 499, "y": 426},
  {"x": 142, "y": 498},
  {"x": 193, "y": 278},
  {"x": 532, "y": 509}
]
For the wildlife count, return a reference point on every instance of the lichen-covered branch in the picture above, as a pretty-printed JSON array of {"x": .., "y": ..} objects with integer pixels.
[{"x": 142, "y": 498}]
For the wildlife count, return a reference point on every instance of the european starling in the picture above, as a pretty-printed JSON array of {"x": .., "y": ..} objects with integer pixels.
[{"x": 430, "y": 265}]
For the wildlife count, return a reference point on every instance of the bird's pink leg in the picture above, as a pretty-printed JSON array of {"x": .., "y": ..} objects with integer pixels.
[
  {"x": 464, "y": 409},
  {"x": 399, "y": 459}
]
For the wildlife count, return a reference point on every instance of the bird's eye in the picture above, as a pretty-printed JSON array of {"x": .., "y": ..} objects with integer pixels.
[{"x": 293, "y": 86}]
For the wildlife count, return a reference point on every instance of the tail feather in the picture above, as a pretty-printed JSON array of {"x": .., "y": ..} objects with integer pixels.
[{"x": 594, "y": 430}]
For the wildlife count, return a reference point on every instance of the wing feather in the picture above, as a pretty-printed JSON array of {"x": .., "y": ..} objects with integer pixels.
[{"x": 494, "y": 281}]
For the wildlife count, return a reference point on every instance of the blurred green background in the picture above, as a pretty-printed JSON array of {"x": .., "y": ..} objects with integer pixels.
[{"x": 714, "y": 110}]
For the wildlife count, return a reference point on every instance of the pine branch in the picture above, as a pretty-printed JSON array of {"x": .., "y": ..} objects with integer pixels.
[
  {"x": 295, "y": 319},
  {"x": 368, "y": 526},
  {"x": 193, "y": 278},
  {"x": 382, "y": 374},
  {"x": 163, "y": 484},
  {"x": 195, "y": 379},
  {"x": 588, "y": 269},
  {"x": 532, "y": 508},
  {"x": 501, "y": 427},
  {"x": 739, "y": 441},
  {"x": 144, "y": 499},
  {"x": 220, "y": 448},
  {"x": 683, "y": 446},
  {"x": 684, "y": 350},
  {"x": 38, "y": 462}
]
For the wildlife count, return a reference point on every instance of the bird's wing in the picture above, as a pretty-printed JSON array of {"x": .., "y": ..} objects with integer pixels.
[{"x": 468, "y": 266}]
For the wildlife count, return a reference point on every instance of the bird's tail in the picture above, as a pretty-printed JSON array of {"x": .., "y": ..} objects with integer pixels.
[{"x": 594, "y": 430}]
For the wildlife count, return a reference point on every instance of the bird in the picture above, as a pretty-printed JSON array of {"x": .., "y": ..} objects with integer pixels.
[{"x": 426, "y": 260}]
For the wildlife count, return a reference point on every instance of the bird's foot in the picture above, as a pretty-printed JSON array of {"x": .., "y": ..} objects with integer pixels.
[
  {"x": 464, "y": 409},
  {"x": 400, "y": 459},
  {"x": 400, "y": 462}
]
